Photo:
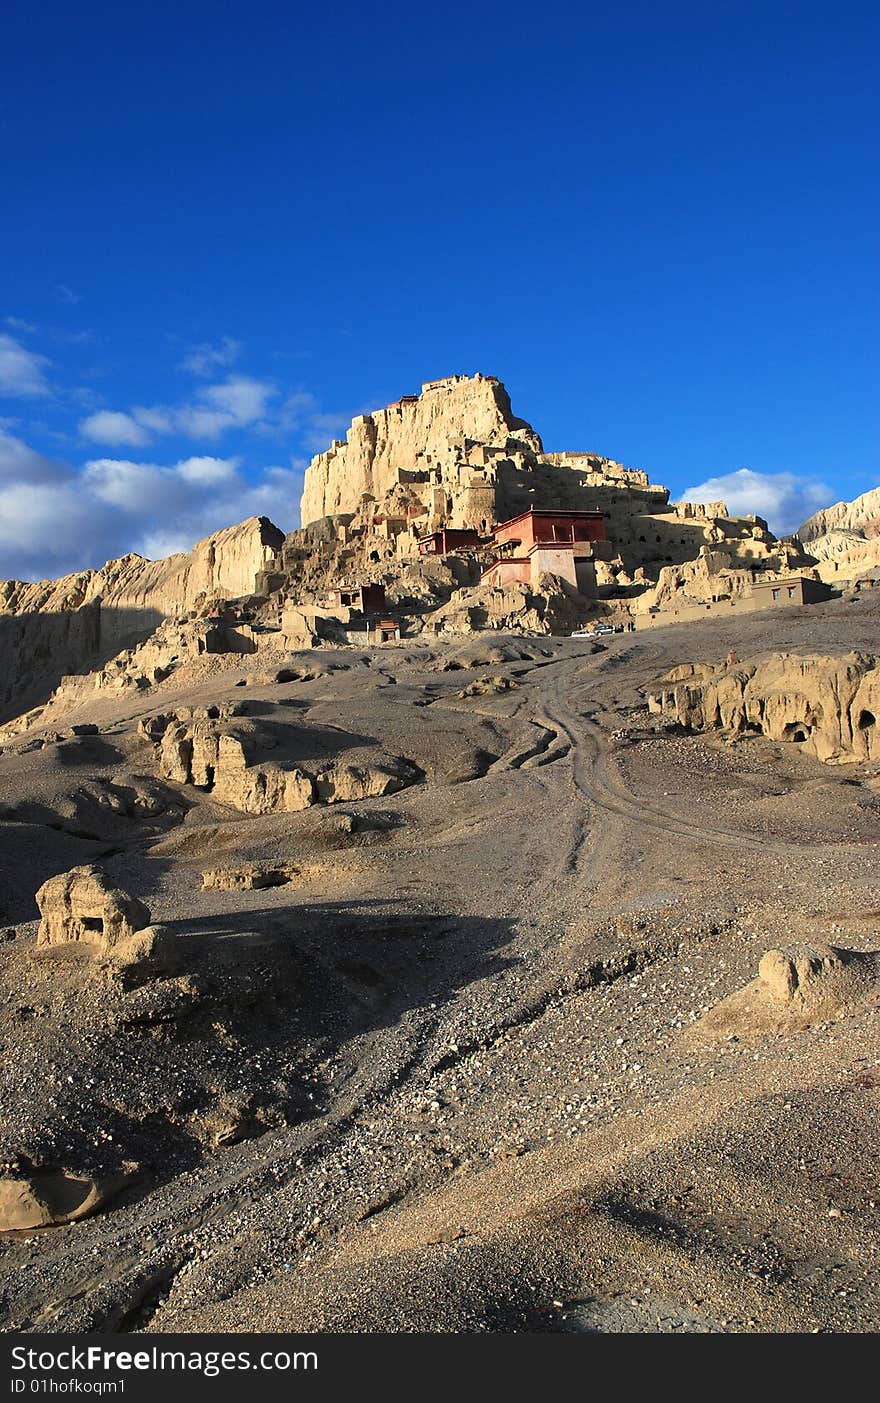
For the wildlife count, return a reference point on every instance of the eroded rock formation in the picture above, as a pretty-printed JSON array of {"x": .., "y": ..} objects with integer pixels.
[
  {"x": 58, "y": 627},
  {"x": 82, "y": 906},
  {"x": 829, "y": 705},
  {"x": 219, "y": 751},
  {"x": 724, "y": 571},
  {"x": 249, "y": 876},
  {"x": 421, "y": 438},
  {"x": 224, "y": 565},
  {"x": 551, "y": 608},
  {"x": 861, "y": 515},
  {"x": 845, "y": 539},
  {"x": 797, "y": 985}
]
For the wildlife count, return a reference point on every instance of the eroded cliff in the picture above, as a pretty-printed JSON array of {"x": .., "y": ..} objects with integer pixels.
[{"x": 54, "y": 627}]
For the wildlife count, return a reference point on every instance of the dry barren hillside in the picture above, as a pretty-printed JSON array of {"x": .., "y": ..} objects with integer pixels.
[
  {"x": 845, "y": 538},
  {"x": 490, "y": 1042}
]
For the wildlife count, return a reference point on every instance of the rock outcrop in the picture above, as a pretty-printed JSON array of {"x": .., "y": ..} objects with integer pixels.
[
  {"x": 845, "y": 539},
  {"x": 216, "y": 751},
  {"x": 83, "y": 907},
  {"x": 59, "y": 627},
  {"x": 827, "y": 704},
  {"x": 798, "y": 985},
  {"x": 861, "y": 515},
  {"x": 46, "y": 1198},
  {"x": 423, "y": 434},
  {"x": 250, "y": 876},
  {"x": 224, "y": 565},
  {"x": 812, "y": 977},
  {"x": 174, "y": 643}
]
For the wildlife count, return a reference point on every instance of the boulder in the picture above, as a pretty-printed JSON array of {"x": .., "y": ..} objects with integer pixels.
[
  {"x": 486, "y": 686},
  {"x": 817, "y": 977},
  {"x": 342, "y": 782},
  {"x": 44, "y": 1198}
]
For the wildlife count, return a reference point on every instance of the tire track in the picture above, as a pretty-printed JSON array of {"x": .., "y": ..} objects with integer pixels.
[{"x": 594, "y": 776}]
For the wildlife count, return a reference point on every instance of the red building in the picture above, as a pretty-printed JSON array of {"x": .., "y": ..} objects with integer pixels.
[
  {"x": 547, "y": 542},
  {"x": 533, "y": 528},
  {"x": 447, "y": 541}
]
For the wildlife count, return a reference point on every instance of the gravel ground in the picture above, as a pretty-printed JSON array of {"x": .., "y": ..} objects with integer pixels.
[{"x": 451, "y": 1077}]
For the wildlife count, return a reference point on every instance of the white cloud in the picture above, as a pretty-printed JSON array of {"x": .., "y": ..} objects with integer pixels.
[
  {"x": 205, "y": 358},
  {"x": 157, "y": 544},
  {"x": 195, "y": 421},
  {"x": 241, "y": 397},
  {"x": 207, "y": 472},
  {"x": 132, "y": 487},
  {"x": 234, "y": 403},
  {"x": 157, "y": 421},
  {"x": 45, "y": 529},
  {"x": 785, "y": 500},
  {"x": 21, "y": 371},
  {"x": 55, "y": 519},
  {"x": 168, "y": 509},
  {"x": 114, "y": 428},
  {"x": 146, "y": 489}
]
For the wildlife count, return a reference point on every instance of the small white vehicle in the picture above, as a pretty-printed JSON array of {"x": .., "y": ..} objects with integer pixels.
[{"x": 597, "y": 631}]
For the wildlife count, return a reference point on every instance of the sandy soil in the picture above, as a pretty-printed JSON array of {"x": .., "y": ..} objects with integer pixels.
[{"x": 462, "y": 1050}]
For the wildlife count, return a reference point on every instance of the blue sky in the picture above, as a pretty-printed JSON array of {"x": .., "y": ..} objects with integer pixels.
[{"x": 229, "y": 227}]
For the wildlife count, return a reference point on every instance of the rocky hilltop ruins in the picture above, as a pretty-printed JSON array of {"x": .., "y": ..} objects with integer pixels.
[
  {"x": 441, "y": 513},
  {"x": 455, "y": 456},
  {"x": 417, "y": 494}
]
